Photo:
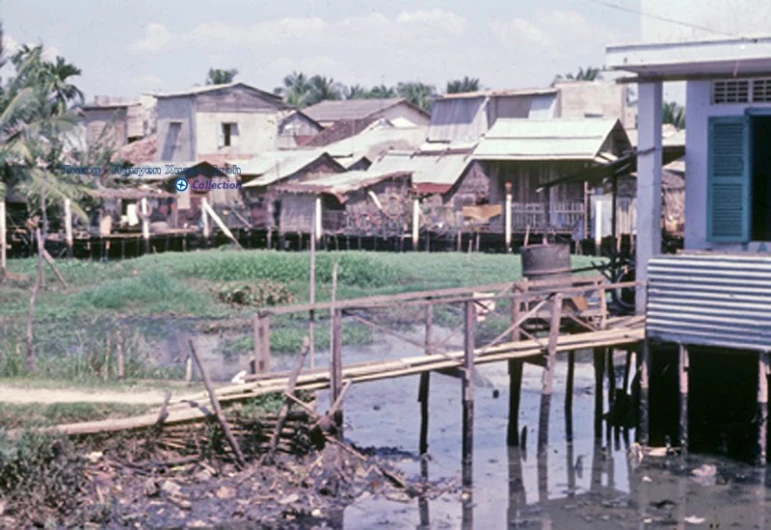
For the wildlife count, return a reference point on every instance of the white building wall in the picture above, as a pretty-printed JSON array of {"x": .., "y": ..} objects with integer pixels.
[
  {"x": 257, "y": 132},
  {"x": 697, "y": 114},
  {"x": 171, "y": 110},
  {"x": 399, "y": 113}
]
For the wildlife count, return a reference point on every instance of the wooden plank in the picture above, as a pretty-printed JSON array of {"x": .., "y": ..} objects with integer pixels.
[{"x": 547, "y": 380}]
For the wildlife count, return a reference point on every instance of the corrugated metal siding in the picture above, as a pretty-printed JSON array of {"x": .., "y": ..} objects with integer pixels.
[
  {"x": 455, "y": 120},
  {"x": 712, "y": 300}
]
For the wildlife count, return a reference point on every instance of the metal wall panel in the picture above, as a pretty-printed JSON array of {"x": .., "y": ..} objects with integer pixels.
[{"x": 711, "y": 299}]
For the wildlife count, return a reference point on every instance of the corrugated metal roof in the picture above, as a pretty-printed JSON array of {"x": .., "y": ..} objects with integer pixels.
[
  {"x": 349, "y": 109},
  {"x": 272, "y": 166},
  {"x": 338, "y": 183},
  {"x": 458, "y": 120},
  {"x": 670, "y": 136},
  {"x": 372, "y": 143},
  {"x": 426, "y": 169},
  {"x": 711, "y": 299},
  {"x": 529, "y": 139},
  {"x": 502, "y": 93}
]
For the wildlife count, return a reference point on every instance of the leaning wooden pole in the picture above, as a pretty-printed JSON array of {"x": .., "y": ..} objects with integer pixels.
[
  {"x": 682, "y": 371},
  {"x": 240, "y": 462},
  {"x": 424, "y": 382},
  {"x": 762, "y": 408},
  {"x": 468, "y": 396},
  {"x": 282, "y": 413},
  {"x": 547, "y": 380}
]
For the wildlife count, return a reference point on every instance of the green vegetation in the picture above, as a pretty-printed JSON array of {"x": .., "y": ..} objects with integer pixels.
[
  {"x": 138, "y": 303},
  {"x": 18, "y": 415}
]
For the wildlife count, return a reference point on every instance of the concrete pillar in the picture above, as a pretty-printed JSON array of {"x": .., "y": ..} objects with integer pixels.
[{"x": 649, "y": 108}]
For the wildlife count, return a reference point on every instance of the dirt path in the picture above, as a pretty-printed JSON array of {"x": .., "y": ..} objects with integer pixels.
[{"x": 10, "y": 394}]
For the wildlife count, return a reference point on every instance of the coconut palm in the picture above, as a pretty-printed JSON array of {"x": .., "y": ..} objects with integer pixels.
[
  {"x": 220, "y": 77},
  {"x": 467, "y": 84},
  {"x": 355, "y": 92},
  {"x": 673, "y": 114},
  {"x": 322, "y": 88},
  {"x": 295, "y": 89},
  {"x": 382, "y": 92},
  {"x": 417, "y": 93},
  {"x": 591, "y": 73}
]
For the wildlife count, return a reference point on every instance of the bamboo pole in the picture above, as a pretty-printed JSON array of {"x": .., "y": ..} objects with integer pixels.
[
  {"x": 468, "y": 396},
  {"x": 50, "y": 261},
  {"x": 548, "y": 375},
  {"x": 220, "y": 223},
  {"x": 240, "y": 462},
  {"x": 68, "y": 227}
]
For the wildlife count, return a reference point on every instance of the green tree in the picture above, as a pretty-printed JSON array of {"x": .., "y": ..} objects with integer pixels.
[
  {"x": 356, "y": 92},
  {"x": 322, "y": 88},
  {"x": 591, "y": 73},
  {"x": 295, "y": 89},
  {"x": 467, "y": 84},
  {"x": 419, "y": 94},
  {"x": 217, "y": 76},
  {"x": 382, "y": 92},
  {"x": 674, "y": 114}
]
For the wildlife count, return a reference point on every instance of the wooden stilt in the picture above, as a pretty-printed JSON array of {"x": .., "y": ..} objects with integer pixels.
[
  {"x": 599, "y": 369},
  {"x": 627, "y": 370},
  {"x": 569, "y": 396},
  {"x": 682, "y": 370},
  {"x": 611, "y": 378},
  {"x": 476, "y": 245},
  {"x": 515, "y": 379},
  {"x": 460, "y": 241},
  {"x": 312, "y": 295},
  {"x": 468, "y": 397},
  {"x": 336, "y": 351},
  {"x": 762, "y": 407},
  {"x": 548, "y": 375},
  {"x": 424, "y": 383},
  {"x": 645, "y": 363}
]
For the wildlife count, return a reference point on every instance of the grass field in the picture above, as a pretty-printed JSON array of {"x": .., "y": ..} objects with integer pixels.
[{"x": 198, "y": 286}]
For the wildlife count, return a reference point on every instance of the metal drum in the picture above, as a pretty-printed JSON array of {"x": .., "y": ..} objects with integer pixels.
[{"x": 549, "y": 260}]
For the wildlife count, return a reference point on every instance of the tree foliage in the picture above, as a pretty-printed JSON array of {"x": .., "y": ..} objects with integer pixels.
[
  {"x": 674, "y": 114},
  {"x": 467, "y": 84},
  {"x": 590, "y": 73},
  {"x": 217, "y": 76}
]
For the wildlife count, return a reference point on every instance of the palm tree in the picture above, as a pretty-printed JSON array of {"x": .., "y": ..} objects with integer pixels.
[
  {"x": 673, "y": 114},
  {"x": 417, "y": 93},
  {"x": 591, "y": 73},
  {"x": 295, "y": 89},
  {"x": 356, "y": 92},
  {"x": 323, "y": 88},
  {"x": 220, "y": 77},
  {"x": 467, "y": 84},
  {"x": 382, "y": 92}
]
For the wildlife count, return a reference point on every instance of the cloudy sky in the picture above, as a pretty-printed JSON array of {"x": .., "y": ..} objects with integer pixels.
[{"x": 127, "y": 47}]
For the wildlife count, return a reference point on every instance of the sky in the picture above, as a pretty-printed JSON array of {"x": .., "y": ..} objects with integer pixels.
[{"x": 126, "y": 47}]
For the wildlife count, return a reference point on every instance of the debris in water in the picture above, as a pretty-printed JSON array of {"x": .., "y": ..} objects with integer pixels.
[{"x": 692, "y": 519}]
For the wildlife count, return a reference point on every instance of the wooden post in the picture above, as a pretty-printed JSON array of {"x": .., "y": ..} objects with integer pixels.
[
  {"x": 507, "y": 217},
  {"x": 627, "y": 370},
  {"x": 261, "y": 353},
  {"x": 68, "y": 227},
  {"x": 257, "y": 336},
  {"x": 548, "y": 374},
  {"x": 336, "y": 352},
  {"x": 145, "y": 224},
  {"x": 762, "y": 407},
  {"x": 460, "y": 241},
  {"x": 682, "y": 370},
  {"x": 569, "y": 396},
  {"x": 468, "y": 397},
  {"x": 476, "y": 246},
  {"x": 312, "y": 295},
  {"x": 415, "y": 223},
  {"x": 515, "y": 379},
  {"x": 240, "y": 462},
  {"x": 645, "y": 363},
  {"x": 599, "y": 369},
  {"x": 597, "y": 227},
  {"x": 205, "y": 219},
  {"x": 317, "y": 219},
  {"x": 3, "y": 243},
  {"x": 424, "y": 382},
  {"x": 611, "y": 377}
]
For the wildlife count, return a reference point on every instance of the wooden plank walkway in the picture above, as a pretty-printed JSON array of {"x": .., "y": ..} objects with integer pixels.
[{"x": 619, "y": 331}]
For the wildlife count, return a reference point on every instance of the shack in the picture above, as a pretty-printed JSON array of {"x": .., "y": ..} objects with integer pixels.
[{"x": 356, "y": 203}]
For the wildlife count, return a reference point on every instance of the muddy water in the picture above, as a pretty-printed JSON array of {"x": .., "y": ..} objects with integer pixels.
[{"x": 578, "y": 485}]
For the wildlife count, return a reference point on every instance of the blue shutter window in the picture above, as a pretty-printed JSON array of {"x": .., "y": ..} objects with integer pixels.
[{"x": 728, "y": 180}]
